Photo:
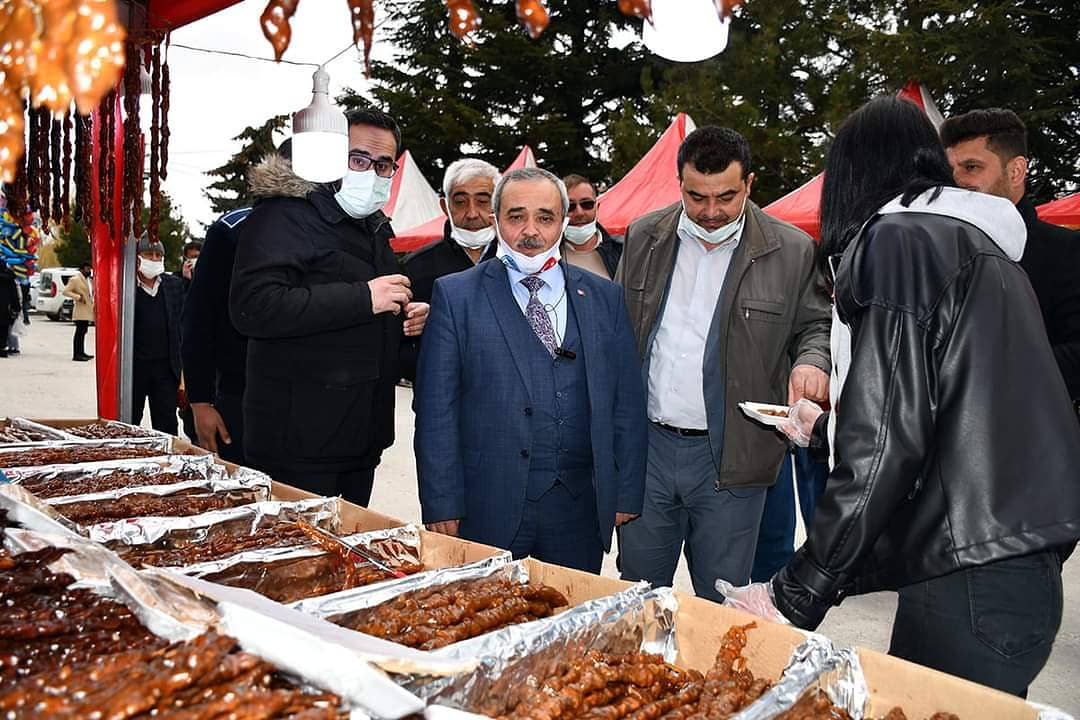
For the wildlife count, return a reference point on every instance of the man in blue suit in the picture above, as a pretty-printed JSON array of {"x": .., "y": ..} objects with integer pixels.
[{"x": 531, "y": 430}]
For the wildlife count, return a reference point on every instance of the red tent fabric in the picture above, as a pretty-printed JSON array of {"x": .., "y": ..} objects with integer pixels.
[
  {"x": 417, "y": 237},
  {"x": 412, "y": 200},
  {"x": 650, "y": 185},
  {"x": 172, "y": 14},
  {"x": 802, "y": 206},
  {"x": 1063, "y": 211}
]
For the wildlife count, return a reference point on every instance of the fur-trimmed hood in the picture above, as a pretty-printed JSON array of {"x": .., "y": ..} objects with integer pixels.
[{"x": 273, "y": 177}]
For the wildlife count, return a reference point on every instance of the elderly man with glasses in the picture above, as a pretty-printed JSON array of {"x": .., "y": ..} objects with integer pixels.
[{"x": 317, "y": 290}]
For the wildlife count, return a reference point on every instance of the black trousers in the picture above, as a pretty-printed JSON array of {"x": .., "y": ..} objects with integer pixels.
[
  {"x": 993, "y": 624},
  {"x": 5, "y": 328},
  {"x": 154, "y": 381},
  {"x": 78, "y": 343},
  {"x": 352, "y": 485},
  {"x": 230, "y": 407}
]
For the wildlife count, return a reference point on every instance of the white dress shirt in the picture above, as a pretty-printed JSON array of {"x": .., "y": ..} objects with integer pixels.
[
  {"x": 552, "y": 293},
  {"x": 676, "y": 363}
]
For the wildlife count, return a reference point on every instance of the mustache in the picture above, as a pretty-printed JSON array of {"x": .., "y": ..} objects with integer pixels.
[{"x": 530, "y": 242}]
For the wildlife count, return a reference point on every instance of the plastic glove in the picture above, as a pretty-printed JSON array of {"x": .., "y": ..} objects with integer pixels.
[
  {"x": 800, "y": 423},
  {"x": 755, "y": 598}
]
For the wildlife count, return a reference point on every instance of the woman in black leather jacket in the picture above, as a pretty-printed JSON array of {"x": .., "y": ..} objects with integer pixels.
[{"x": 955, "y": 450}]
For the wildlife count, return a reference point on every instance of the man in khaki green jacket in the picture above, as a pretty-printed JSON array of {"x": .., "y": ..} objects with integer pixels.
[
  {"x": 727, "y": 306},
  {"x": 78, "y": 289}
]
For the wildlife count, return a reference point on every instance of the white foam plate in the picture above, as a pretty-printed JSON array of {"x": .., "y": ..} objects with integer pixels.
[{"x": 754, "y": 410}]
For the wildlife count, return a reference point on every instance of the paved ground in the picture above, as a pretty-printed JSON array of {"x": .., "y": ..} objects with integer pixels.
[{"x": 44, "y": 382}]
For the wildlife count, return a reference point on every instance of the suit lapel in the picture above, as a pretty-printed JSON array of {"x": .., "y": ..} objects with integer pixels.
[
  {"x": 508, "y": 315},
  {"x": 585, "y": 312}
]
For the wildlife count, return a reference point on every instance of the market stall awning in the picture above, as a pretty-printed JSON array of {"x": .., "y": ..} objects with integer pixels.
[
  {"x": 171, "y": 14},
  {"x": 524, "y": 159},
  {"x": 650, "y": 185},
  {"x": 1063, "y": 211}
]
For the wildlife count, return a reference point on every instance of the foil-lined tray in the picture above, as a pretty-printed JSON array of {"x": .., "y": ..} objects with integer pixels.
[
  {"x": 31, "y": 426},
  {"x": 179, "y": 532},
  {"x": 162, "y": 443},
  {"x": 513, "y": 658},
  {"x": 133, "y": 431},
  {"x": 286, "y": 574}
]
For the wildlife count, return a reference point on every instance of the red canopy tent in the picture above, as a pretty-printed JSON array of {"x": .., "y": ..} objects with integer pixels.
[
  {"x": 650, "y": 185},
  {"x": 801, "y": 207},
  {"x": 417, "y": 237},
  {"x": 412, "y": 200},
  {"x": 1063, "y": 211}
]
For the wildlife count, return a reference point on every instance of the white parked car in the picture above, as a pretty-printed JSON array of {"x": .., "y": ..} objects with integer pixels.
[{"x": 50, "y": 295}]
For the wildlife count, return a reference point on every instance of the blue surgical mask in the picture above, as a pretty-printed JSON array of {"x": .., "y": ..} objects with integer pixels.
[
  {"x": 720, "y": 235},
  {"x": 362, "y": 193}
]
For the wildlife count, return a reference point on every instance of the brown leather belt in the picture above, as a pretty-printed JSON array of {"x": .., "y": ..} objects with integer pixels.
[{"x": 684, "y": 432}]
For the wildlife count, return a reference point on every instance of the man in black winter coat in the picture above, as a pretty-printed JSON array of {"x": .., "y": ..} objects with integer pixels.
[
  {"x": 159, "y": 299},
  {"x": 988, "y": 153},
  {"x": 318, "y": 292},
  {"x": 467, "y": 188}
]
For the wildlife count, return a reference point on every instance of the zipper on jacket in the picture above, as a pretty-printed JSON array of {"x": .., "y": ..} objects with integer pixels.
[{"x": 720, "y": 470}]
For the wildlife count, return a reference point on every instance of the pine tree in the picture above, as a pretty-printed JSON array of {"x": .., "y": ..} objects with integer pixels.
[{"x": 230, "y": 191}]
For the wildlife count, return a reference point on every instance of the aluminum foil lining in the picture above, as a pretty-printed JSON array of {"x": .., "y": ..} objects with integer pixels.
[
  {"x": 33, "y": 514},
  {"x": 162, "y": 443},
  {"x": 257, "y": 493},
  {"x": 815, "y": 664},
  {"x": 126, "y": 427},
  {"x": 514, "y": 658},
  {"x": 24, "y": 424},
  {"x": 395, "y": 545},
  {"x": 171, "y": 613},
  {"x": 201, "y": 465},
  {"x": 361, "y": 598},
  {"x": 184, "y": 531}
]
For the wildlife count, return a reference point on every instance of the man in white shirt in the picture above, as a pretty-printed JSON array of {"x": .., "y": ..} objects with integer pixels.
[{"x": 727, "y": 306}]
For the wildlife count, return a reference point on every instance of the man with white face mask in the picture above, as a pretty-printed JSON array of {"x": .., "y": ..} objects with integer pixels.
[
  {"x": 159, "y": 300},
  {"x": 530, "y": 411},
  {"x": 468, "y": 185},
  {"x": 586, "y": 243},
  {"x": 727, "y": 306},
  {"x": 317, "y": 290}
]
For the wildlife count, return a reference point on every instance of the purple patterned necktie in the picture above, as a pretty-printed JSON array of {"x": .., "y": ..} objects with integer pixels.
[{"x": 537, "y": 315}]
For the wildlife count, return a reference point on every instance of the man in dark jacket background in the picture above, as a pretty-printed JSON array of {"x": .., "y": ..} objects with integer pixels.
[
  {"x": 988, "y": 153},
  {"x": 317, "y": 290},
  {"x": 467, "y": 188},
  {"x": 586, "y": 243},
  {"x": 159, "y": 299}
]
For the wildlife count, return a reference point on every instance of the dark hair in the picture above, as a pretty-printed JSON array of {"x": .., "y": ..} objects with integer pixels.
[
  {"x": 376, "y": 118},
  {"x": 710, "y": 149},
  {"x": 1005, "y": 132},
  {"x": 574, "y": 180},
  {"x": 86, "y": 263},
  {"x": 888, "y": 147},
  {"x": 284, "y": 150},
  {"x": 193, "y": 245}
]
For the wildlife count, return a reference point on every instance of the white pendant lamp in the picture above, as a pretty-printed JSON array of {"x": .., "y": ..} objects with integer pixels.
[
  {"x": 320, "y": 141},
  {"x": 685, "y": 30}
]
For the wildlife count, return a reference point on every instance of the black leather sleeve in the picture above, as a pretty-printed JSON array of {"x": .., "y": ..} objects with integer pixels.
[
  {"x": 884, "y": 427},
  {"x": 819, "y": 439}
]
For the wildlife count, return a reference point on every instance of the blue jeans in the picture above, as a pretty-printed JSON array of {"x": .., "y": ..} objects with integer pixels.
[
  {"x": 776, "y": 539},
  {"x": 682, "y": 505},
  {"x": 993, "y": 624}
]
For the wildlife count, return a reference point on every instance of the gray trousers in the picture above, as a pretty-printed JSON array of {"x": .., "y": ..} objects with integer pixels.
[{"x": 682, "y": 505}]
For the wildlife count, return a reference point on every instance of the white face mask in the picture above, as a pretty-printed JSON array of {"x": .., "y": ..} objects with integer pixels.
[
  {"x": 718, "y": 236},
  {"x": 472, "y": 239},
  {"x": 151, "y": 268},
  {"x": 580, "y": 234},
  {"x": 528, "y": 264},
  {"x": 362, "y": 193}
]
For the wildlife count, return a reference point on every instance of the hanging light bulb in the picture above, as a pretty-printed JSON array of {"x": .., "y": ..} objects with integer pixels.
[
  {"x": 320, "y": 147},
  {"x": 685, "y": 30}
]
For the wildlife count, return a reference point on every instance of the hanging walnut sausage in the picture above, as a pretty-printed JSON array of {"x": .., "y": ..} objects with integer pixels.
[
  {"x": 463, "y": 18},
  {"x": 637, "y": 8},
  {"x": 275, "y": 24},
  {"x": 533, "y": 15},
  {"x": 97, "y": 54},
  {"x": 362, "y": 13}
]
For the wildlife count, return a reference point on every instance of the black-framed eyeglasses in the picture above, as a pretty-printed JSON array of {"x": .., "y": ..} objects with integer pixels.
[
  {"x": 362, "y": 162},
  {"x": 585, "y": 205}
]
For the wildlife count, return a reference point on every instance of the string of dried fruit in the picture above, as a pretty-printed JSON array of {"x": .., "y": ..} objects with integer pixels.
[
  {"x": 16, "y": 199},
  {"x": 31, "y": 157},
  {"x": 163, "y": 170},
  {"x": 533, "y": 15},
  {"x": 463, "y": 18},
  {"x": 42, "y": 163},
  {"x": 362, "y": 13},
  {"x": 105, "y": 159},
  {"x": 131, "y": 196},
  {"x": 65, "y": 195},
  {"x": 637, "y": 8},
  {"x": 56, "y": 139},
  {"x": 155, "y": 141},
  {"x": 83, "y": 201},
  {"x": 275, "y": 24}
]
